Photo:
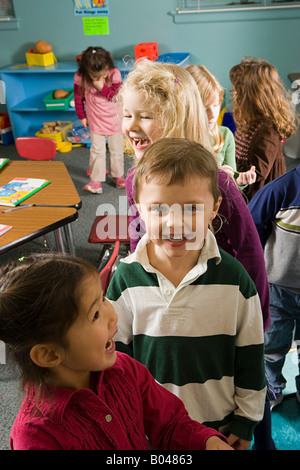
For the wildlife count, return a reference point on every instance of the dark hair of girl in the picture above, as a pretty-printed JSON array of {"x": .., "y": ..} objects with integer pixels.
[
  {"x": 93, "y": 60},
  {"x": 38, "y": 304}
]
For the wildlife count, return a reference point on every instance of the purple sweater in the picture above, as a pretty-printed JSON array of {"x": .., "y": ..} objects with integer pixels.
[
  {"x": 128, "y": 404},
  {"x": 234, "y": 229}
]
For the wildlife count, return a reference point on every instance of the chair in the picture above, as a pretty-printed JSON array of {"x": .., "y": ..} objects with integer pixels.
[
  {"x": 107, "y": 272},
  {"x": 107, "y": 230},
  {"x": 36, "y": 148}
]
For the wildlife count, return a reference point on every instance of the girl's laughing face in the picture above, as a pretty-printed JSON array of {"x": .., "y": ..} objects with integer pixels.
[{"x": 141, "y": 124}]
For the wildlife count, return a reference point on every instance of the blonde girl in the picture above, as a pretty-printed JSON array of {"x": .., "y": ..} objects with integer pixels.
[
  {"x": 212, "y": 94},
  {"x": 168, "y": 97},
  {"x": 263, "y": 114}
]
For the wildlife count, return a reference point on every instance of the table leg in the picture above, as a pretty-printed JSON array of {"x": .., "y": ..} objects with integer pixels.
[{"x": 64, "y": 239}]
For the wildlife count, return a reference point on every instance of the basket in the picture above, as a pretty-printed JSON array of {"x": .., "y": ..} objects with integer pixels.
[
  {"x": 52, "y": 104},
  {"x": 57, "y": 137}
]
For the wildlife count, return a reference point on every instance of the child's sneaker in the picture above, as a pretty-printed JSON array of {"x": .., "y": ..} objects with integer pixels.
[
  {"x": 120, "y": 182},
  {"x": 93, "y": 187}
]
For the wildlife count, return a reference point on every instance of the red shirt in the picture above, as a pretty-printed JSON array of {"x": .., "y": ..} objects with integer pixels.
[{"x": 128, "y": 405}]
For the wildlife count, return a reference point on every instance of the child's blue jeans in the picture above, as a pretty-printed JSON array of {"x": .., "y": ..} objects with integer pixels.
[{"x": 284, "y": 328}]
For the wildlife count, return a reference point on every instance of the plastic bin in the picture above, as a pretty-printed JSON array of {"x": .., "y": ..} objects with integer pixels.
[
  {"x": 125, "y": 66},
  {"x": 53, "y": 104},
  {"x": 177, "y": 58},
  {"x": 34, "y": 58},
  {"x": 148, "y": 50},
  {"x": 57, "y": 137},
  {"x": 6, "y": 135},
  {"x": 64, "y": 127}
]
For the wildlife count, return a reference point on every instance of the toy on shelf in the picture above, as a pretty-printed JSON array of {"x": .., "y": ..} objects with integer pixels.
[
  {"x": 147, "y": 50},
  {"x": 56, "y": 130},
  {"x": 58, "y": 99},
  {"x": 41, "y": 55},
  {"x": 79, "y": 135},
  {"x": 6, "y": 135}
]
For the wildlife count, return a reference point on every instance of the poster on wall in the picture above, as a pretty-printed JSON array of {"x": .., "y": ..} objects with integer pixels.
[
  {"x": 91, "y": 7},
  {"x": 95, "y": 26}
]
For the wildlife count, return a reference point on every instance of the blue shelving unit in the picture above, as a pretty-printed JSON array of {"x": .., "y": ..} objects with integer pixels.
[{"x": 26, "y": 86}]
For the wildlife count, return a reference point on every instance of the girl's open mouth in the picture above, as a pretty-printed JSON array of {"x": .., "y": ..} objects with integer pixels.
[
  {"x": 140, "y": 144},
  {"x": 110, "y": 346}
]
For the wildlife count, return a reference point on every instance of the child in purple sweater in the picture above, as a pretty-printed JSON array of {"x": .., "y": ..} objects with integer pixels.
[{"x": 81, "y": 393}]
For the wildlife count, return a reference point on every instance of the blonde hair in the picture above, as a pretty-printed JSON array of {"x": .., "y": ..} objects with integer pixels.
[
  {"x": 209, "y": 89},
  {"x": 258, "y": 94},
  {"x": 174, "y": 91}
]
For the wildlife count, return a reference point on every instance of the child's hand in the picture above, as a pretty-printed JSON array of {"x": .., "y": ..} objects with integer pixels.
[
  {"x": 215, "y": 443},
  {"x": 248, "y": 177},
  {"x": 98, "y": 84},
  {"x": 237, "y": 443},
  {"x": 84, "y": 122},
  {"x": 228, "y": 170}
]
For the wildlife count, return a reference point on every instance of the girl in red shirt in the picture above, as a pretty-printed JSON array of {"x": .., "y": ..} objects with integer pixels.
[{"x": 81, "y": 393}]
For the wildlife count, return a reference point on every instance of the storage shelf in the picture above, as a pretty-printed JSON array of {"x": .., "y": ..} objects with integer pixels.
[{"x": 26, "y": 86}]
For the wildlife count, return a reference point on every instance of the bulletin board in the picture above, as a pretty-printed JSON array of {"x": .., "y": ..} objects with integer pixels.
[{"x": 94, "y": 15}]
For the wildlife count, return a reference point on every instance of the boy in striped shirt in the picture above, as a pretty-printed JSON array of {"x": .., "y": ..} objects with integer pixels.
[{"x": 188, "y": 310}]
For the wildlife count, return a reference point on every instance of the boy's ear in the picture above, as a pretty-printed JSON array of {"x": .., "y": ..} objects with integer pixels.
[
  {"x": 45, "y": 355},
  {"x": 216, "y": 208}
]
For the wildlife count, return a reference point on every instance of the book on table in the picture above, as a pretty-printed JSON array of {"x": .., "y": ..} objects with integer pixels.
[
  {"x": 4, "y": 229},
  {"x": 3, "y": 161},
  {"x": 19, "y": 189}
]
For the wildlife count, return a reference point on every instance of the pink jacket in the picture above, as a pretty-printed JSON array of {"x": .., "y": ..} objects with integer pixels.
[
  {"x": 103, "y": 113},
  {"x": 128, "y": 404}
]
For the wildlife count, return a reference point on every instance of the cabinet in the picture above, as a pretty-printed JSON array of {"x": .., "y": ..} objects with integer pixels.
[{"x": 26, "y": 86}]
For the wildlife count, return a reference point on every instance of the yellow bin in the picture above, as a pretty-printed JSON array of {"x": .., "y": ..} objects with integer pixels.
[
  {"x": 57, "y": 137},
  {"x": 34, "y": 58}
]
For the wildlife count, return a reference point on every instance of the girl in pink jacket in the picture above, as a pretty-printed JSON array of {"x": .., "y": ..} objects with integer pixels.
[{"x": 96, "y": 83}]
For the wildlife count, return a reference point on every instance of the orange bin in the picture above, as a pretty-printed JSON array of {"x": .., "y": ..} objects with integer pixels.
[{"x": 147, "y": 50}]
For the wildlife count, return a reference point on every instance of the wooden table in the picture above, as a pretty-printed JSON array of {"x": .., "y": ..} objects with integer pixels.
[
  {"x": 32, "y": 222},
  {"x": 60, "y": 192}
]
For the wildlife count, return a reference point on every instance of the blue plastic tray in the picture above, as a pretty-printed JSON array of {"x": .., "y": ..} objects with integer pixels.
[{"x": 178, "y": 58}]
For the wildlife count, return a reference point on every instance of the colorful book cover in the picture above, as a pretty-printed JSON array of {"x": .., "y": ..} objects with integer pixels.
[
  {"x": 14, "y": 192},
  {"x": 4, "y": 229},
  {"x": 3, "y": 161}
]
